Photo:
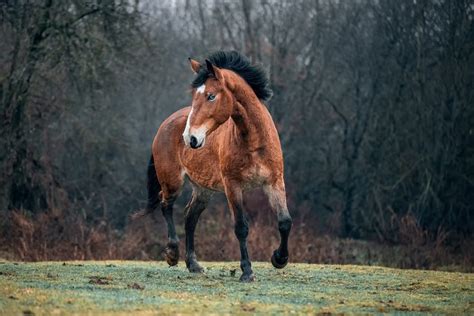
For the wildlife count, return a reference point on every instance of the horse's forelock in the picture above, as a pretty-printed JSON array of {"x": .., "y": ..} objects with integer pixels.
[{"x": 254, "y": 75}]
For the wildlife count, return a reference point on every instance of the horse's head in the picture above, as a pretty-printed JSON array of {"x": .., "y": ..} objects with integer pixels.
[{"x": 211, "y": 106}]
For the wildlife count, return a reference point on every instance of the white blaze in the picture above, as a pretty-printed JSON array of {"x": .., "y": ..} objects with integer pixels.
[
  {"x": 201, "y": 88},
  {"x": 186, "y": 135},
  {"x": 199, "y": 133}
]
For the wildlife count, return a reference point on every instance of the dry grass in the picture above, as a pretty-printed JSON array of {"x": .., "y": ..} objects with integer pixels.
[{"x": 48, "y": 236}]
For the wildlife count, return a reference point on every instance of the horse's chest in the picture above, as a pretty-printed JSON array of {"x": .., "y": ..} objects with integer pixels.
[{"x": 202, "y": 168}]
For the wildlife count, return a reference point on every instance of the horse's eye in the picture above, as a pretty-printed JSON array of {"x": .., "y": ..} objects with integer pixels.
[{"x": 211, "y": 97}]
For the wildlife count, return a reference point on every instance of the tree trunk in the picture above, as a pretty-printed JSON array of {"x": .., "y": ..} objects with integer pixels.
[{"x": 22, "y": 167}]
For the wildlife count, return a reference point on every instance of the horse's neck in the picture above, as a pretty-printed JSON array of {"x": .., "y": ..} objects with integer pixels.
[{"x": 251, "y": 120}]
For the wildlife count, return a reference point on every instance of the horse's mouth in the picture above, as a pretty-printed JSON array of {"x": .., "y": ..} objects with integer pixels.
[{"x": 196, "y": 143}]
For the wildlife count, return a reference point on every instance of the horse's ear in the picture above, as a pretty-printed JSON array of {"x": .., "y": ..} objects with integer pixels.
[
  {"x": 215, "y": 71},
  {"x": 195, "y": 65}
]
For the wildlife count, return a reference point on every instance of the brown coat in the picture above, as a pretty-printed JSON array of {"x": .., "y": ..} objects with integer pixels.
[{"x": 226, "y": 141}]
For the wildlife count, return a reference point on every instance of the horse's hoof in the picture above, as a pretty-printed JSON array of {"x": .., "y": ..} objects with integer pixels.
[
  {"x": 278, "y": 261},
  {"x": 247, "y": 278},
  {"x": 194, "y": 267},
  {"x": 172, "y": 254}
]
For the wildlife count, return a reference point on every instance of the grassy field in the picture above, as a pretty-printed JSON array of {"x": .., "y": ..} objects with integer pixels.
[{"x": 154, "y": 288}]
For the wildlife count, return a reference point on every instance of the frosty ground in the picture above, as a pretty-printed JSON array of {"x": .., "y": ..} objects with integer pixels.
[{"x": 154, "y": 288}]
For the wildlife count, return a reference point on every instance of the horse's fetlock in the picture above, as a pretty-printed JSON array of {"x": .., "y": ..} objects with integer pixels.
[
  {"x": 246, "y": 266},
  {"x": 285, "y": 224}
]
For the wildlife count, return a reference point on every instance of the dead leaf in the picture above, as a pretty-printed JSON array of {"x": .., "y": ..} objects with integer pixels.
[
  {"x": 99, "y": 280},
  {"x": 136, "y": 286}
]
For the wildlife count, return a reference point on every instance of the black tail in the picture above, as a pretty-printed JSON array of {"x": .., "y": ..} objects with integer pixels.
[{"x": 154, "y": 188}]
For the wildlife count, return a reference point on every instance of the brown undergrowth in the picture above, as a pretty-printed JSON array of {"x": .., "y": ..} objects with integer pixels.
[{"x": 52, "y": 236}]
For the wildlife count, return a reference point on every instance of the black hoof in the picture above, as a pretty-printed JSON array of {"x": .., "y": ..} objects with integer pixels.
[
  {"x": 278, "y": 261},
  {"x": 172, "y": 254},
  {"x": 194, "y": 267},
  {"x": 247, "y": 278}
]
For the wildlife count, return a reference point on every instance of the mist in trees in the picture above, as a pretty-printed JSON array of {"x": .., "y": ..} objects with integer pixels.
[{"x": 373, "y": 101}]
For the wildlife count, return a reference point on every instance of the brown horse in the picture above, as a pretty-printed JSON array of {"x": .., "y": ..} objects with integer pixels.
[{"x": 225, "y": 142}]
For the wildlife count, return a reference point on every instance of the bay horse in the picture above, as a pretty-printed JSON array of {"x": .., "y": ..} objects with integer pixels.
[{"x": 225, "y": 141}]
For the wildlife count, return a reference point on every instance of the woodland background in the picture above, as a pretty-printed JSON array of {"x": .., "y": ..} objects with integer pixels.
[{"x": 373, "y": 100}]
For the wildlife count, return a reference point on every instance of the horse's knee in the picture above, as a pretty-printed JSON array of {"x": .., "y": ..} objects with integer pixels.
[
  {"x": 167, "y": 206},
  {"x": 241, "y": 229},
  {"x": 284, "y": 224},
  {"x": 196, "y": 206},
  {"x": 192, "y": 213}
]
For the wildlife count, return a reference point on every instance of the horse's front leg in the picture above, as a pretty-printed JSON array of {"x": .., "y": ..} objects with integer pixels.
[
  {"x": 172, "y": 248},
  {"x": 233, "y": 192},
  {"x": 192, "y": 212},
  {"x": 277, "y": 197}
]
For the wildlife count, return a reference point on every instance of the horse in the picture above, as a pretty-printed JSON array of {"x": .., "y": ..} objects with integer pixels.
[{"x": 226, "y": 141}]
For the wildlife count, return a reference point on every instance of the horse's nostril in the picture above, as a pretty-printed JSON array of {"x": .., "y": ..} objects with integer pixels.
[{"x": 193, "y": 142}]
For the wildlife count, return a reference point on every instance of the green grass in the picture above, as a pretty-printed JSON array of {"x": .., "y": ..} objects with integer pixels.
[{"x": 154, "y": 288}]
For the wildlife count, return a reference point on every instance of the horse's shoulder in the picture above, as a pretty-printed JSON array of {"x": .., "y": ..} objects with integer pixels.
[
  {"x": 181, "y": 114},
  {"x": 175, "y": 120}
]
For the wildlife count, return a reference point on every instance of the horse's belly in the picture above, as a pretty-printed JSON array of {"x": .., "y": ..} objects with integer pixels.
[{"x": 256, "y": 175}]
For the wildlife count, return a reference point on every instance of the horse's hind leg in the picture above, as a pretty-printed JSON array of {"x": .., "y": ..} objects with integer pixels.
[
  {"x": 277, "y": 198},
  {"x": 193, "y": 210}
]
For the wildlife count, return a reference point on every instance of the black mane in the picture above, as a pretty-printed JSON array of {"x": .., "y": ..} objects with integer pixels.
[{"x": 254, "y": 75}]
